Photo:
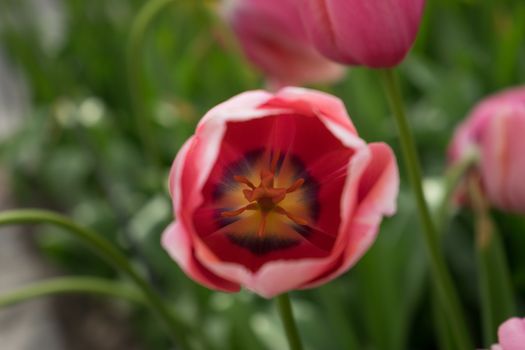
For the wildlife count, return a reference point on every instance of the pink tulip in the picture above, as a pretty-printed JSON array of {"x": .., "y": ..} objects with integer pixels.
[
  {"x": 373, "y": 33},
  {"x": 276, "y": 192},
  {"x": 511, "y": 335},
  {"x": 496, "y": 129},
  {"x": 273, "y": 38}
]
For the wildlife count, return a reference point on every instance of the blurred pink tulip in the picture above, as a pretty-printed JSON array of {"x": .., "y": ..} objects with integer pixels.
[
  {"x": 273, "y": 38},
  {"x": 373, "y": 33},
  {"x": 511, "y": 335},
  {"x": 496, "y": 129},
  {"x": 276, "y": 192}
]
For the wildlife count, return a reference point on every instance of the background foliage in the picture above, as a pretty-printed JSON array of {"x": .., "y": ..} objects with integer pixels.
[{"x": 91, "y": 70}]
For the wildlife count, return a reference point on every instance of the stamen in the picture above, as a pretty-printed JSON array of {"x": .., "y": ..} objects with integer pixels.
[
  {"x": 248, "y": 194},
  {"x": 278, "y": 196},
  {"x": 232, "y": 213},
  {"x": 265, "y": 197},
  {"x": 295, "y": 186},
  {"x": 266, "y": 179},
  {"x": 294, "y": 218},
  {"x": 244, "y": 180}
]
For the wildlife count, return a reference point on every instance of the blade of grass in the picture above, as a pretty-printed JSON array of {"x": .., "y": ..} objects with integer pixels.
[
  {"x": 68, "y": 285},
  {"x": 344, "y": 329}
]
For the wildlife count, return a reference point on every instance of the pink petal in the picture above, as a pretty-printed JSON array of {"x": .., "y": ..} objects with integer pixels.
[
  {"x": 305, "y": 101},
  {"x": 502, "y": 162},
  {"x": 240, "y": 107},
  {"x": 378, "y": 191},
  {"x": 176, "y": 172},
  {"x": 274, "y": 278},
  {"x": 468, "y": 133},
  {"x": 273, "y": 38},
  {"x": 511, "y": 334},
  {"x": 375, "y": 33},
  {"x": 178, "y": 244}
]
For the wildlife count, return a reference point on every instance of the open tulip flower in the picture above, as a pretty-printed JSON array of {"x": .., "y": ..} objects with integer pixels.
[
  {"x": 276, "y": 192},
  {"x": 496, "y": 129},
  {"x": 511, "y": 335},
  {"x": 372, "y": 33},
  {"x": 272, "y": 37}
]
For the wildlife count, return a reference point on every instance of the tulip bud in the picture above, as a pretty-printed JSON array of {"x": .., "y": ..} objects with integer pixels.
[
  {"x": 495, "y": 128},
  {"x": 373, "y": 33},
  {"x": 272, "y": 37}
]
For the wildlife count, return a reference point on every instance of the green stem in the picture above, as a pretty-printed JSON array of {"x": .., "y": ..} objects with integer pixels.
[
  {"x": 106, "y": 250},
  {"x": 441, "y": 325},
  {"x": 285, "y": 311},
  {"x": 496, "y": 293},
  {"x": 64, "y": 285},
  {"x": 134, "y": 53},
  {"x": 447, "y": 294}
]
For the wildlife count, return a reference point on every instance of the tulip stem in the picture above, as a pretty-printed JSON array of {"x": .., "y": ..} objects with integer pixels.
[
  {"x": 446, "y": 292},
  {"x": 107, "y": 251},
  {"x": 290, "y": 327},
  {"x": 496, "y": 293}
]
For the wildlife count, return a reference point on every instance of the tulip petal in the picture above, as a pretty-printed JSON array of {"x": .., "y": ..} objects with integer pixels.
[
  {"x": 502, "y": 162},
  {"x": 378, "y": 191},
  {"x": 511, "y": 334},
  {"x": 307, "y": 101},
  {"x": 176, "y": 172},
  {"x": 273, "y": 38},
  {"x": 375, "y": 33},
  {"x": 178, "y": 244},
  {"x": 469, "y": 132},
  {"x": 494, "y": 128}
]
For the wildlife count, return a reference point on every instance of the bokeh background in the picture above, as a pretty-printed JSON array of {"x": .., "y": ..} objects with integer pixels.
[{"x": 76, "y": 74}]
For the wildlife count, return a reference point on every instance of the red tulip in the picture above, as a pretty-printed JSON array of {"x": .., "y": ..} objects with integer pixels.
[
  {"x": 495, "y": 128},
  {"x": 373, "y": 33},
  {"x": 511, "y": 335},
  {"x": 273, "y": 38},
  {"x": 277, "y": 192}
]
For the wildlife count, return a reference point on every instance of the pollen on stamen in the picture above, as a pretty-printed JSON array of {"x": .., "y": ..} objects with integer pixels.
[
  {"x": 266, "y": 197},
  {"x": 244, "y": 180},
  {"x": 237, "y": 212},
  {"x": 294, "y": 218},
  {"x": 296, "y": 185}
]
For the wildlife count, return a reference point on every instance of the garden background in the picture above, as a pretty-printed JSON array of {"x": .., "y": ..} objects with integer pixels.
[{"x": 76, "y": 74}]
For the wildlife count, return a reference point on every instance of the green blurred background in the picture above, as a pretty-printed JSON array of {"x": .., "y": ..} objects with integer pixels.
[{"x": 83, "y": 71}]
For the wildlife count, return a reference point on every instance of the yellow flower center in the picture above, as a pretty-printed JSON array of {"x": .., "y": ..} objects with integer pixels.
[{"x": 266, "y": 197}]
